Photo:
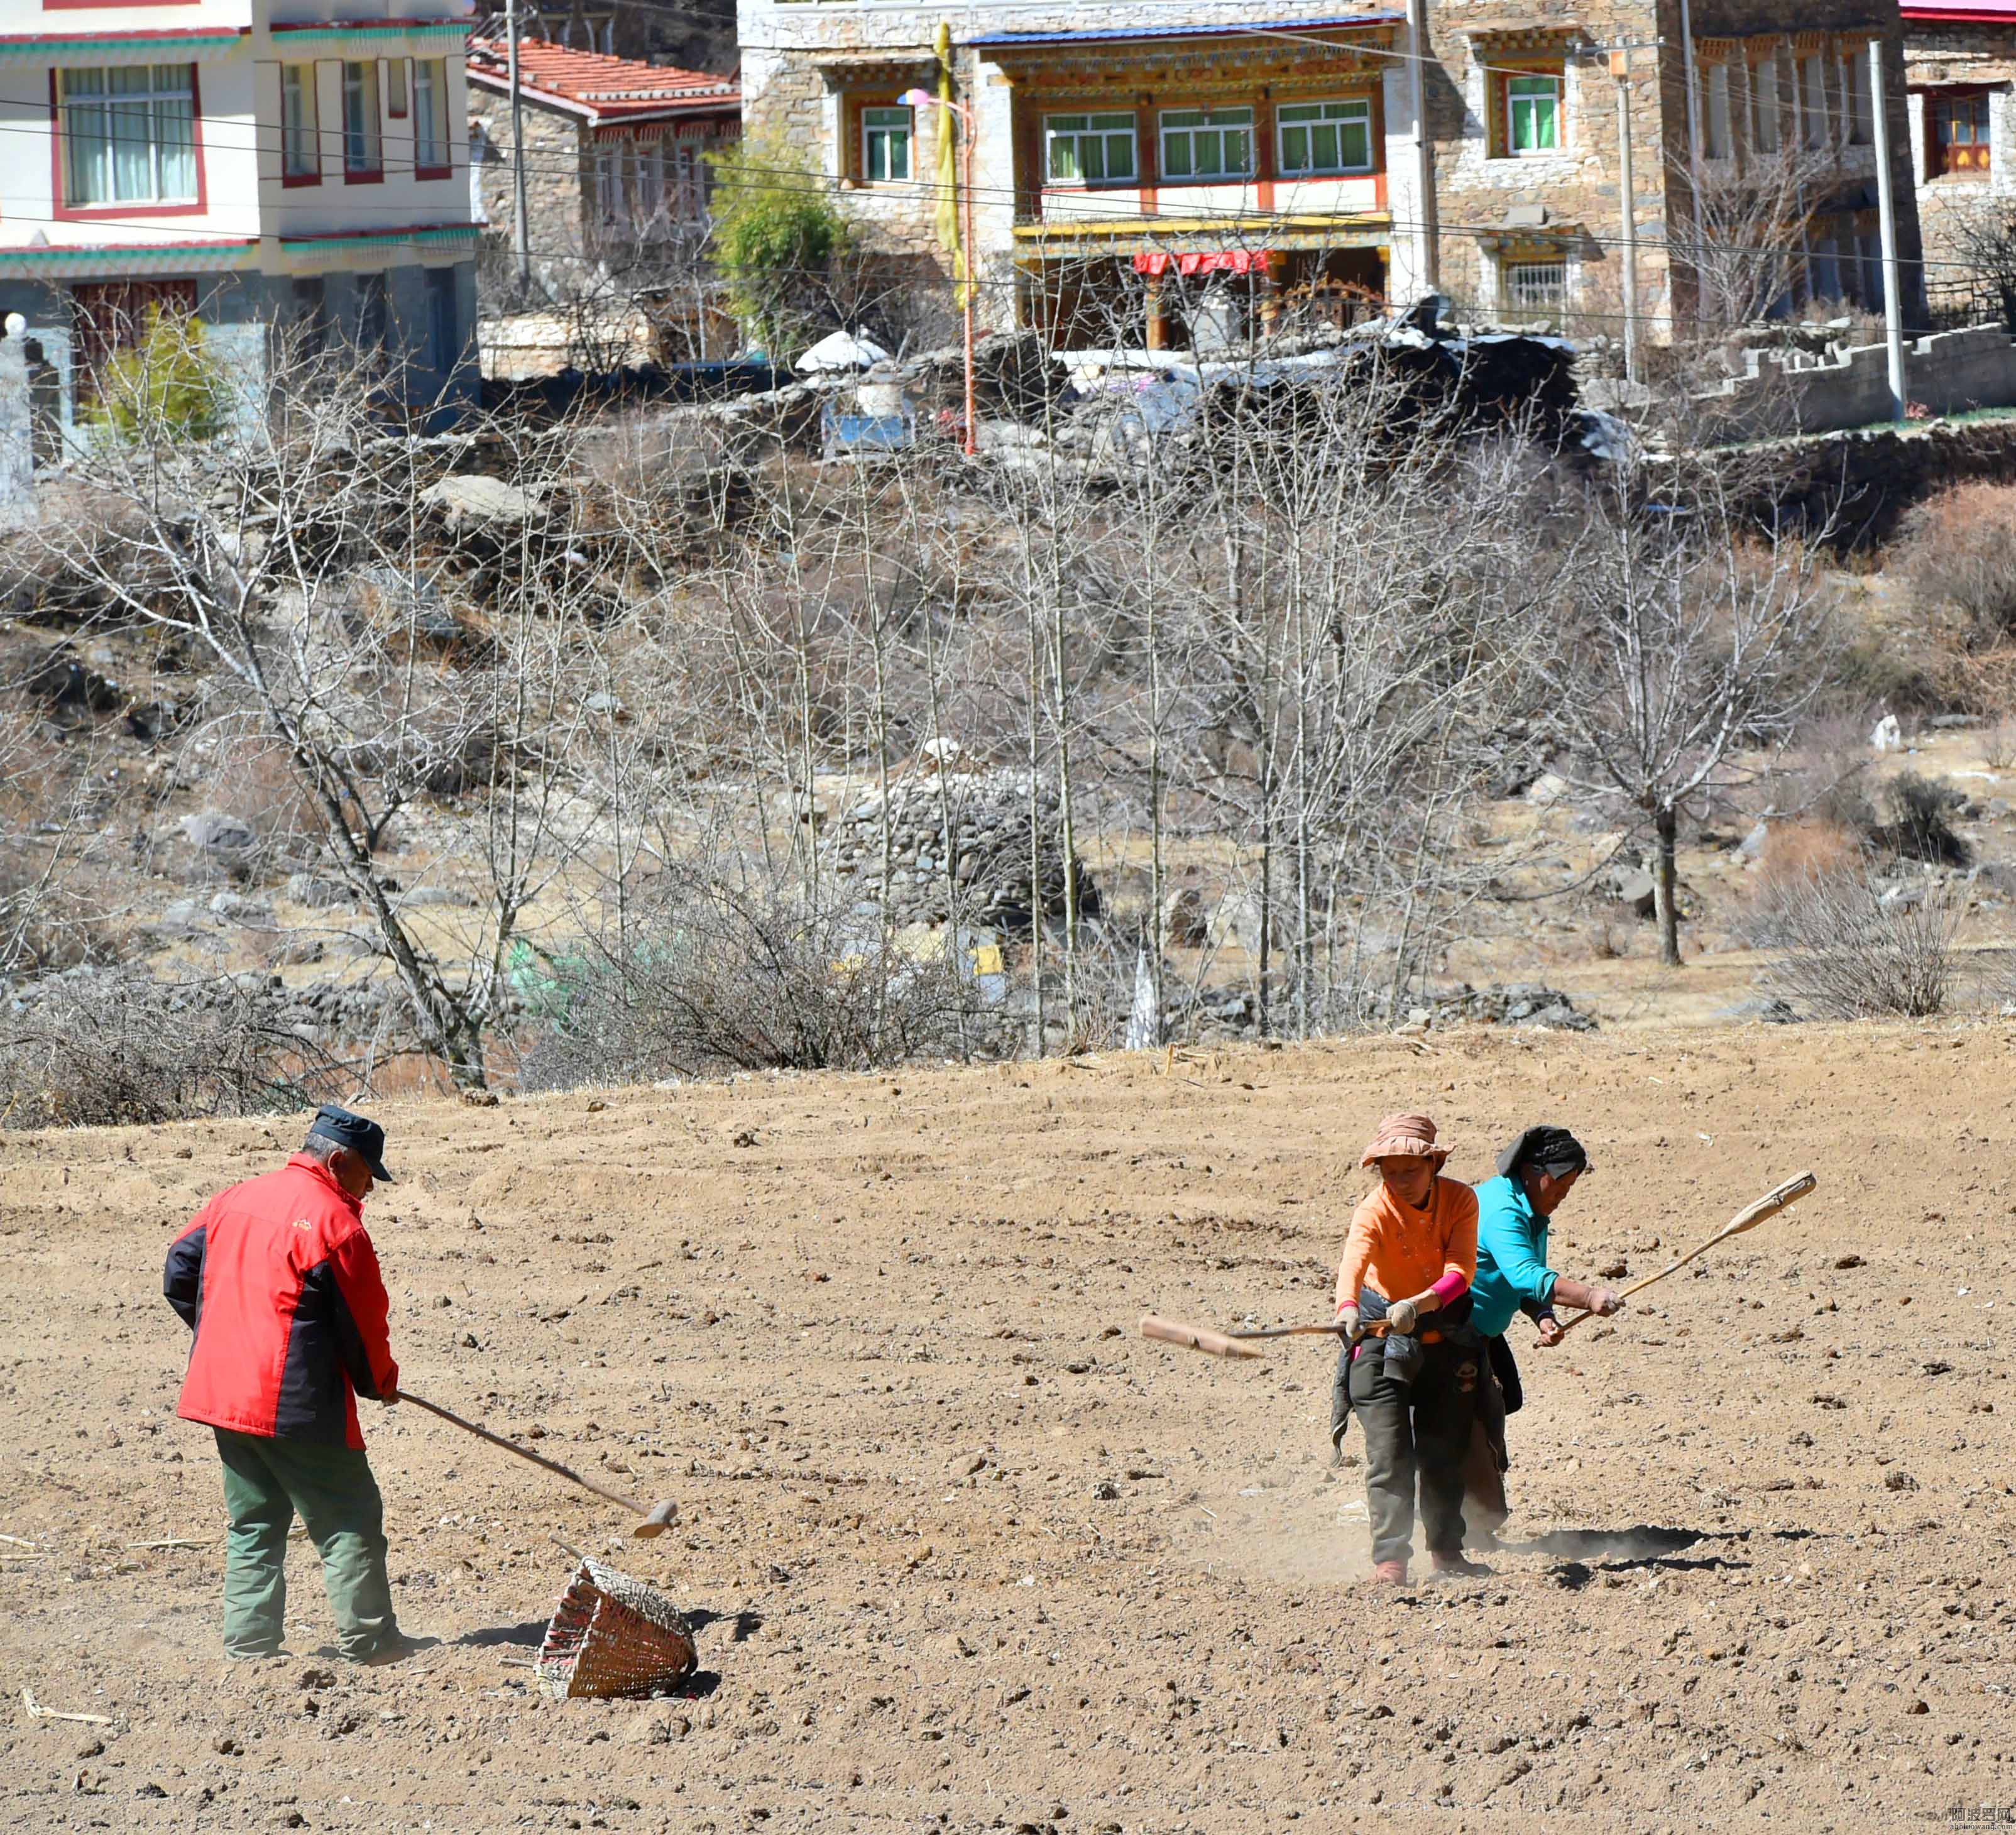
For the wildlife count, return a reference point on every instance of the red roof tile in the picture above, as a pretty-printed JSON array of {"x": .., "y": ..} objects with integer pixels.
[{"x": 605, "y": 88}]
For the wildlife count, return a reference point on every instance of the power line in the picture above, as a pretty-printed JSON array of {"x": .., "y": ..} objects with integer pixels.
[{"x": 1126, "y": 219}]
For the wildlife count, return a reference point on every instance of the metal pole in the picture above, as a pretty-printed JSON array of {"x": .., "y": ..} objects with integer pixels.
[
  {"x": 1694, "y": 102},
  {"x": 972, "y": 268},
  {"x": 1693, "y": 155},
  {"x": 1427, "y": 250},
  {"x": 1620, "y": 67},
  {"x": 521, "y": 240},
  {"x": 1886, "y": 201}
]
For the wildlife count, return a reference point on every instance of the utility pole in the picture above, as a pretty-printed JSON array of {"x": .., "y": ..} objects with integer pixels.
[
  {"x": 521, "y": 241},
  {"x": 1886, "y": 202},
  {"x": 1694, "y": 152},
  {"x": 1620, "y": 68},
  {"x": 1694, "y": 102},
  {"x": 1427, "y": 247}
]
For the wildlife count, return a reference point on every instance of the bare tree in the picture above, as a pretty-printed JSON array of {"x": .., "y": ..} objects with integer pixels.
[
  {"x": 300, "y": 549},
  {"x": 1746, "y": 245},
  {"x": 1689, "y": 637}
]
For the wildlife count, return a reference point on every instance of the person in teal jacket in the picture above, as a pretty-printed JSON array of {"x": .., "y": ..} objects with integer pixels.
[{"x": 1535, "y": 1173}]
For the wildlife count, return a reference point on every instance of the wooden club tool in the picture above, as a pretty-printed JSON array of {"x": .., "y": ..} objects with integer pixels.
[
  {"x": 1768, "y": 1205},
  {"x": 1238, "y": 1344}
]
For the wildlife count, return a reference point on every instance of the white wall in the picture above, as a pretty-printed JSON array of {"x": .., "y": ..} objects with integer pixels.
[
  {"x": 399, "y": 198},
  {"x": 228, "y": 163},
  {"x": 238, "y": 92}
]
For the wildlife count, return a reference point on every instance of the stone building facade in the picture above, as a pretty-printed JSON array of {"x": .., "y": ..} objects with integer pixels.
[
  {"x": 1959, "y": 60},
  {"x": 1161, "y": 173},
  {"x": 615, "y": 155}
]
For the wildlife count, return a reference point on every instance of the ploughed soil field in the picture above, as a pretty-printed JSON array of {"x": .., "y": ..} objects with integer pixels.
[{"x": 967, "y": 1553}]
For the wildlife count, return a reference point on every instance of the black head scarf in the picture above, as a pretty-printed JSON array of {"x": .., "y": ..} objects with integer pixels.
[{"x": 1552, "y": 1150}]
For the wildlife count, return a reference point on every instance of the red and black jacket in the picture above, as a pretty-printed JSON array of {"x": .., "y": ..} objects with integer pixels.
[{"x": 280, "y": 1283}]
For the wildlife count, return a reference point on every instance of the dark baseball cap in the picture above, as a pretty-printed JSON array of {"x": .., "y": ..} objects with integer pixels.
[{"x": 363, "y": 1137}]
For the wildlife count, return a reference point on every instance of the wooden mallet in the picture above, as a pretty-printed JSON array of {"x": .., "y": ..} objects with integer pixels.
[{"x": 1768, "y": 1205}]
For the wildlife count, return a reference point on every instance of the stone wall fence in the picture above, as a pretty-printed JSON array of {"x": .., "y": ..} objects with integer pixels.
[{"x": 1796, "y": 391}]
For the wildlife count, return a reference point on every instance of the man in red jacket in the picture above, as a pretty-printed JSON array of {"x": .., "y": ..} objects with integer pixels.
[{"x": 280, "y": 1283}]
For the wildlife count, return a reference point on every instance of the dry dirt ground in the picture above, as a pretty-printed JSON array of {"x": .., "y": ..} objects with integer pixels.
[{"x": 969, "y": 1554}]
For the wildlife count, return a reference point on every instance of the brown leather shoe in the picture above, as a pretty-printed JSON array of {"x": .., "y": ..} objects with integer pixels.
[{"x": 1389, "y": 1573}]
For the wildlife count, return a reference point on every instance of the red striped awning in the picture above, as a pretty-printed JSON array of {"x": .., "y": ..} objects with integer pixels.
[{"x": 1218, "y": 261}]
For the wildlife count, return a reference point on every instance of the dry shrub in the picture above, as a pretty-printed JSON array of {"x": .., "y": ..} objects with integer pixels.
[
  {"x": 108, "y": 1049},
  {"x": 1828, "y": 782},
  {"x": 1957, "y": 554},
  {"x": 732, "y": 973},
  {"x": 1797, "y": 852},
  {"x": 1851, "y": 954},
  {"x": 1983, "y": 681},
  {"x": 1920, "y": 826}
]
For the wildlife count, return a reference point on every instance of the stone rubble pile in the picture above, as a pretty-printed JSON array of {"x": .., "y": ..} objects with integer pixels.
[
  {"x": 323, "y": 1011},
  {"x": 1522, "y": 1003},
  {"x": 986, "y": 849}
]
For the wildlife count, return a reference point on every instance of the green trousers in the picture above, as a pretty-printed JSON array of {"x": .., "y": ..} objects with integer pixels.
[{"x": 266, "y": 1484}]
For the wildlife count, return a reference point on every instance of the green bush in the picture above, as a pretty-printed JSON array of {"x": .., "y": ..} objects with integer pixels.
[
  {"x": 778, "y": 235},
  {"x": 165, "y": 388}
]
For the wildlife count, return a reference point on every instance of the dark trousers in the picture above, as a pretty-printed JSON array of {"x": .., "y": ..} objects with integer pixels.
[
  {"x": 1415, "y": 1433},
  {"x": 267, "y": 1483},
  {"x": 1487, "y": 1460}
]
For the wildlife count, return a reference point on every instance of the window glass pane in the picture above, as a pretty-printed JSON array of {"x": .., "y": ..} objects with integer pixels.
[
  {"x": 1537, "y": 283},
  {"x": 86, "y": 136},
  {"x": 1531, "y": 105},
  {"x": 1206, "y": 144},
  {"x": 296, "y": 156},
  {"x": 430, "y": 87},
  {"x": 887, "y": 153},
  {"x": 361, "y": 151},
  {"x": 133, "y": 152},
  {"x": 175, "y": 124},
  {"x": 1090, "y": 149},
  {"x": 129, "y": 135},
  {"x": 1338, "y": 138}
]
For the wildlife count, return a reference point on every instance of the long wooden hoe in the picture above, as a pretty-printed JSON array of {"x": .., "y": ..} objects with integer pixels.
[
  {"x": 651, "y": 1521},
  {"x": 1215, "y": 1344},
  {"x": 1768, "y": 1205}
]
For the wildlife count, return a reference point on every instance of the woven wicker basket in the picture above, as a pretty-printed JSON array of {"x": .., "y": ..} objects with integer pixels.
[{"x": 613, "y": 1636}]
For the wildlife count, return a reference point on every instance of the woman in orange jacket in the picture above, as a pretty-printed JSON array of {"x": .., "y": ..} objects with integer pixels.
[{"x": 1408, "y": 1265}]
